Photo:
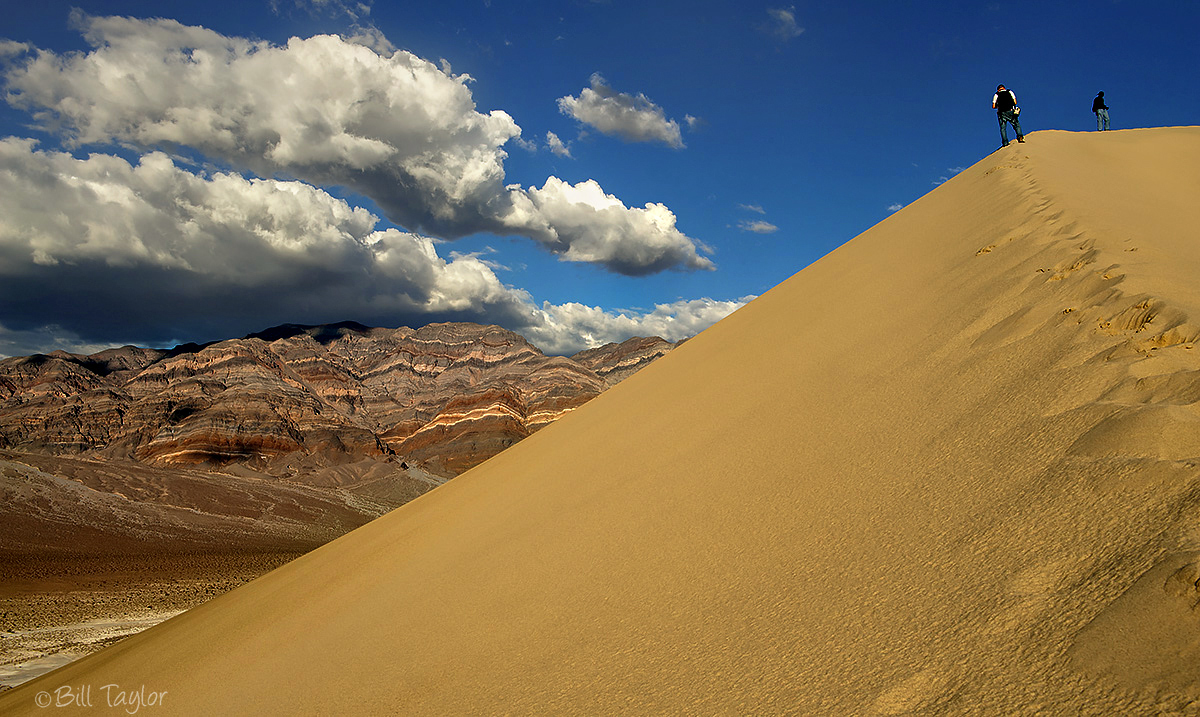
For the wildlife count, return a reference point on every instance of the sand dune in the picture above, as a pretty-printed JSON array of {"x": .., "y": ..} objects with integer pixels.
[{"x": 951, "y": 468}]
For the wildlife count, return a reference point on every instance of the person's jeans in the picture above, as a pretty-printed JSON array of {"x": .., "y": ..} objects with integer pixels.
[
  {"x": 1101, "y": 120},
  {"x": 1009, "y": 118}
]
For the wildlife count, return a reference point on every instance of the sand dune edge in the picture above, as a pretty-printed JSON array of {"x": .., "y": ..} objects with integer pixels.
[{"x": 951, "y": 468}]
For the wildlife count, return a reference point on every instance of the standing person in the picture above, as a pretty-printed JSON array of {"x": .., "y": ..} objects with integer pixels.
[
  {"x": 1005, "y": 104},
  {"x": 1101, "y": 111}
]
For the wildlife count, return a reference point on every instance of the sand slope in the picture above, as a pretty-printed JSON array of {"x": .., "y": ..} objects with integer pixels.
[{"x": 951, "y": 468}]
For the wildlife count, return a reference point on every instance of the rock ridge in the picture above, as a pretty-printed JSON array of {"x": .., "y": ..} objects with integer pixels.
[{"x": 384, "y": 413}]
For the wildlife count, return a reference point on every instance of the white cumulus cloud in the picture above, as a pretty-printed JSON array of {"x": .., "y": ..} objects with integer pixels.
[
  {"x": 8, "y": 48},
  {"x": 634, "y": 118},
  {"x": 601, "y": 229},
  {"x": 386, "y": 124},
  {"x": 97, "y": 248},
  {"x": 570, "y": 328}
]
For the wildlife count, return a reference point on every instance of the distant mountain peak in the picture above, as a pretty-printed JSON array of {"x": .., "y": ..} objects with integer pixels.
[{"x": 321, "y": 333}]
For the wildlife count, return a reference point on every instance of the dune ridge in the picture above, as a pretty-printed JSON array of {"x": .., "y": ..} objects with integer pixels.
[{"x": 950, "y": 468}]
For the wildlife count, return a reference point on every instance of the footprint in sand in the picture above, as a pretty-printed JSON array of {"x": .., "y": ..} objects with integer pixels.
[
  {"x": 1185, "y": 583},
  {"x": 923, "y": 690},
  {"x": 1157, "y": 432},
  {"x": 1042, "y": 578},
  {"x": 1133, "y": 319},
  {"x": 1148, "y": 639}
]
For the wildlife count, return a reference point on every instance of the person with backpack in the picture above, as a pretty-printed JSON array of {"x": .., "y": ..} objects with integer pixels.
[
  {"x": 1005, "y": 104},
  {"x": 1101, "y": 111}
]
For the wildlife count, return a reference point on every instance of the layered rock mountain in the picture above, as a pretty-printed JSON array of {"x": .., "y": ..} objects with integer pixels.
[
  {"x": 616, "y": 362},
  {"x": 379, "y": 414}
]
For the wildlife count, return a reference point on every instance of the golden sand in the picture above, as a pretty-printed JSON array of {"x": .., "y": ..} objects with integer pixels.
[{"x": 951, "y": 468}]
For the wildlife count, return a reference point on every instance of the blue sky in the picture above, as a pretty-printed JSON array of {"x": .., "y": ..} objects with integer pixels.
[{"x": 579, "y": 171}]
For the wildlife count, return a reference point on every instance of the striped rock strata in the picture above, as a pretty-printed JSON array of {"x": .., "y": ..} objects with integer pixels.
[
  {"x": 445, "y": 396},
  {"x": 280, "y": 440}
]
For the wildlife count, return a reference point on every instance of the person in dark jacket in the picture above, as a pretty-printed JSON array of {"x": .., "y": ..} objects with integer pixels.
[
  {"x": 1005, "y": 104},
  {"x": 1101, "y": 111}
]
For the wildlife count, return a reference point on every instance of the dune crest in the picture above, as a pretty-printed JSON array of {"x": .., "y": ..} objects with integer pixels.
[{"x": 950, "y": 468}]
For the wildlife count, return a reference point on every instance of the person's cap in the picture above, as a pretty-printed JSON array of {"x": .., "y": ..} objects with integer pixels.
[{"x": 999, "y": 87}]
